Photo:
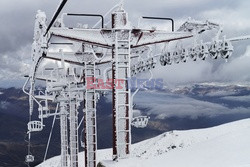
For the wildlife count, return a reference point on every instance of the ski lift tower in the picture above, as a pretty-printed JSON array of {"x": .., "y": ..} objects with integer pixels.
[
  {"x": 126, "y": 39},
  {"x": 122, "y": 40}
]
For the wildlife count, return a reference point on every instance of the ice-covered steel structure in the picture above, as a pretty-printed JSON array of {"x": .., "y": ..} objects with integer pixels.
[{"x": 90, "y": 61}]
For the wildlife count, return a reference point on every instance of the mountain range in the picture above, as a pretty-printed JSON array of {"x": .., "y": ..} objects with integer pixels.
[{"x": 178, "y": 108}]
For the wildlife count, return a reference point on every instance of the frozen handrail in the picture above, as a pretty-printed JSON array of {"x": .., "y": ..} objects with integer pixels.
[
  {"x": 161, "y": 18},
  {"x": 106, "y": 15},
  {"x": 90, "y": 15}
]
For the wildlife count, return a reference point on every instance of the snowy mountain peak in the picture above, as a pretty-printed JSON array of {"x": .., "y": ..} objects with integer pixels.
[{"x": 226, "y": 145}]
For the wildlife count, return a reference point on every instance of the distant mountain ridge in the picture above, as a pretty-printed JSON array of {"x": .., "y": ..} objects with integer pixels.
[{"x": 14, "y": 118}]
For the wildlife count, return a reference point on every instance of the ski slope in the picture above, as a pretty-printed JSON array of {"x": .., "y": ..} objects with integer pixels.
[{"x": 227, "y": 145}]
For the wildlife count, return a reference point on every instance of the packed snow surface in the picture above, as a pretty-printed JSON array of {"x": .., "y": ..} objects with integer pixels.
[{"x": 222, "y": 146}]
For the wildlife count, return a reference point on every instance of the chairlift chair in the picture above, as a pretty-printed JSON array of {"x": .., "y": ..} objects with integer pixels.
[
  {"x": 226, "y": 49},
  {"x": 193, "y": 53},
  {"x": 168, "y": 58},
  {"x": 29, "y": 158},
  {"x": 183, "y": 55},
  {"x": 214, "y": 50},
  {"x": 140, "y": 122},
  {"x": 35, "y": 126},
  {"x": 162, "y": 60},
  {"x": 203, "y": 52},
  {"x": 176, "y": 57}
]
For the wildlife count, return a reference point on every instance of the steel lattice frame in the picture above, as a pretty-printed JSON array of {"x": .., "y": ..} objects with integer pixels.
[{"x": 69, "y": 88}]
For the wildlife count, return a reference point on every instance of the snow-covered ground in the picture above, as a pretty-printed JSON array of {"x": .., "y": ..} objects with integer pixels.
[
  {"x": 1, "y": 93},
  {"x": 222, "y": 146}
]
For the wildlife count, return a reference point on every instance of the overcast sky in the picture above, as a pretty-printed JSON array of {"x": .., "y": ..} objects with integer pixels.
[{"x": 17, "y": 20}]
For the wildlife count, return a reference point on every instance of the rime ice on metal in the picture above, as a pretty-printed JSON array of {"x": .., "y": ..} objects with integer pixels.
[{"x": 86, "y": 56}]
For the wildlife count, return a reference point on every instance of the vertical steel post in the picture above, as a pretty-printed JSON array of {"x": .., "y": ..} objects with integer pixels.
[
  {"x": 121, "y": 90},
  {"x": 90, "y": 134},
  {"x": 73, "y": 132},
  {"x": 64, "y": 134}
]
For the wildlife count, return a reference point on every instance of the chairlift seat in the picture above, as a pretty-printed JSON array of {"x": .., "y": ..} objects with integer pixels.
[
  {"x": 140, "y": 122},
  {"x": 29, "y": 158},
  {"x": 35, "y": 126},
  {"x": 227, "y": 49}
]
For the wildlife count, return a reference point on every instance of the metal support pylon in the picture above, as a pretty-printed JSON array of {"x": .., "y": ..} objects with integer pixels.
[
  {"x": 121, "y": 95},
  {"x": 90, "y": 134},
  {"x": 64, "y": 134},
  {"x": 73, "y": 119},
  {"x": 120, "y": 38}
]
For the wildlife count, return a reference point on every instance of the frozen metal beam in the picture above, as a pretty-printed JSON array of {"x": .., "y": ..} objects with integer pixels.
[{"x": 96, "y": 37}]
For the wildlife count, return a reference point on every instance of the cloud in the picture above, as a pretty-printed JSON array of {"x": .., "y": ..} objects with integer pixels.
[
  {"x": 237, "y": 98},
  {"x": 184, "y": 72},
  {"x": 165, "y": 106},
  {"x": 16, "y": 31},
  {"x": 221, "y": 93},
  {"x": 15, "y": 64},
  {"x": 235, "y": 19},
  {"x": 237, "y": 69}
]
